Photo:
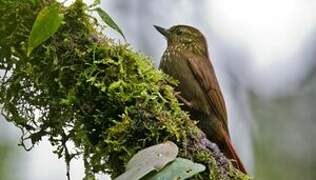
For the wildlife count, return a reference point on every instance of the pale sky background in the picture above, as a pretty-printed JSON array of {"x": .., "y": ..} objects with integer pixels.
[{"x": 271, "y": 32}]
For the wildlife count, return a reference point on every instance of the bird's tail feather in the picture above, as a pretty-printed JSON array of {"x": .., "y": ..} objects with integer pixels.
[{"x": 231, "y": 153}]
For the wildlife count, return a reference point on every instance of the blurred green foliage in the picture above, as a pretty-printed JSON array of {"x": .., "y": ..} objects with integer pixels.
[
  {"x": 5, "y": 151},
  {"x": 284, "y": 144}
]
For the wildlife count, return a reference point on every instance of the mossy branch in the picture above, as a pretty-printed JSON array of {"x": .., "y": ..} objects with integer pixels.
[{"x": 81, "y": 88}]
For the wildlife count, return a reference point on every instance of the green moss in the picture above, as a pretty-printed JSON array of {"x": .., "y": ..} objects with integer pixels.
[{"x": 82, "y": 88}]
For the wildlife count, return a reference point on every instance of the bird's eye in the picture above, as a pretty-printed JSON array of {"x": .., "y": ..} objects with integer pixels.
[{"x": 179, "y": 32}]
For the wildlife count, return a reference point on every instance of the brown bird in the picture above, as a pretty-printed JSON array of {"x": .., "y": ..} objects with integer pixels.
[{"x": 186, "y": 59}]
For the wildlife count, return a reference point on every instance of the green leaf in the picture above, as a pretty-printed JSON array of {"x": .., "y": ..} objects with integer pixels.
[
  {"x": 34, "y": 2},
  {"x": 109, "y": 21},
  {"x": 149, "y": 159},
  {"x": 179, "y": 169},
  {"x": 95, "y": 3},
  {"x": 46, "y": 24}
]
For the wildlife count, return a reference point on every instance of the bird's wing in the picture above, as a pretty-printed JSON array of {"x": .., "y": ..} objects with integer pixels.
[{"x": 204, "y": 73}]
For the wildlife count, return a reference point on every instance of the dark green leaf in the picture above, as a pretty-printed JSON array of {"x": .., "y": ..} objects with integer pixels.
[
  {"x": 109, "y": 21},
  {"x": 46, "y": 24}
]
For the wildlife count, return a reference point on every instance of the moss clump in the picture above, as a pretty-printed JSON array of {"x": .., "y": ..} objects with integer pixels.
[{"x": 83, "y": 89}]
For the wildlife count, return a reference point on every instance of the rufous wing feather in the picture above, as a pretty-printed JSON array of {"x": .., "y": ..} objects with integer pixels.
[{"x": 204, "y": 73}]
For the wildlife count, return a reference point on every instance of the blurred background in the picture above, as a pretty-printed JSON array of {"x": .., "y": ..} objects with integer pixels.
[{"x": 264, "y": 54}]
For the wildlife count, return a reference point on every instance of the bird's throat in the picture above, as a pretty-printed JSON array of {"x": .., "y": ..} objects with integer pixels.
[{"x": 177, "y": 49}]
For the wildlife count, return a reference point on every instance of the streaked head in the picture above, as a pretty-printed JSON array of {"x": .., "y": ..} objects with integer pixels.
[{"x": 184, "y": 35}]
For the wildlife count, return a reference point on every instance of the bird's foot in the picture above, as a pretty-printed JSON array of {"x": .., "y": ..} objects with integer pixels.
[{"x": 183, "y": 100}]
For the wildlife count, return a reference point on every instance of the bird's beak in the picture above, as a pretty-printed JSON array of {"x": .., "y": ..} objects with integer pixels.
[{"x": 163, "y": 31}]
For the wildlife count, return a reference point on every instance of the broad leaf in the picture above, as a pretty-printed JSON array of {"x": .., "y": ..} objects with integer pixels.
[
  {"x": 46, "y": 24},
  {"x": 109, "y": 21},
  {"x": 149, "y": 159},
  {"x": 179, "y": 169}
]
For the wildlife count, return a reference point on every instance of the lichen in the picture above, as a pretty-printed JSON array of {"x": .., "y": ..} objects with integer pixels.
[{"x": 82, "y": 88}]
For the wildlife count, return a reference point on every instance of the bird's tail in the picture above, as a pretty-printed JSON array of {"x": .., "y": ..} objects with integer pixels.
[{"x": 230, "y": 152}]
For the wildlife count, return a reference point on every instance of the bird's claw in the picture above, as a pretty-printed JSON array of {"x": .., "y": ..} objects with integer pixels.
[{"x": 182, "y": 99}]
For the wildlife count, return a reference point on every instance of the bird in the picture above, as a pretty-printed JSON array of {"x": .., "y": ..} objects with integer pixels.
[{"x": 187, "y": 60}]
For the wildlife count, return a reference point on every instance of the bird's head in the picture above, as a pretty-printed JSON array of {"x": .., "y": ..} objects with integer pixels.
[{"x": 184, "y": 37}]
